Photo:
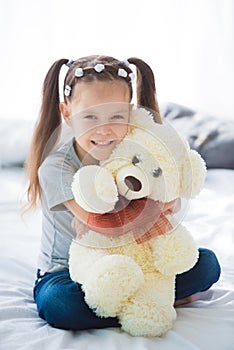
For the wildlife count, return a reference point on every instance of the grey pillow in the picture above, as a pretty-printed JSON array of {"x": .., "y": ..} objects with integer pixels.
[
  {"x": 213, "y": 138},
  {"x": 15, "y": 138}
]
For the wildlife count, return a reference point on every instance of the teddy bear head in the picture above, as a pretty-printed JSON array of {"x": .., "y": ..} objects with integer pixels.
[{"x": 154, "y": 161}]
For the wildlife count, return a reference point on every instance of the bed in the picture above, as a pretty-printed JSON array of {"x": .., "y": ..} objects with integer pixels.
[{"x": 204, "y": 324}]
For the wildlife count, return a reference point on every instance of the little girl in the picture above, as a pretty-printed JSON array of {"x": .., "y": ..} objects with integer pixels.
[{"x": 96, "y": 105}]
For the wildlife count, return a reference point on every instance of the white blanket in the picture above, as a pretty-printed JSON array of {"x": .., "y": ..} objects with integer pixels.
[{"x": 205, "y": 324}]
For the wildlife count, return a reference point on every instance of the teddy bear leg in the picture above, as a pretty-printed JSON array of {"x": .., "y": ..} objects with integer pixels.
[
  {"x": 111, "y": 281},
  {"x": 150, "y": 312},
  {"x": 81, "y": 259}
]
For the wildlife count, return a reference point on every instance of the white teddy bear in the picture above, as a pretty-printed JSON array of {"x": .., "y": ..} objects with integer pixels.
[{"x": 120, "y": 277}]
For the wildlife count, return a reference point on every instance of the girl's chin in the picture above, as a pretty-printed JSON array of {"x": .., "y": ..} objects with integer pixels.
[
  {"x": 101, "y": 157},
  {"x": 93, "y": 157},
  {"x": 101, "y": 153}
]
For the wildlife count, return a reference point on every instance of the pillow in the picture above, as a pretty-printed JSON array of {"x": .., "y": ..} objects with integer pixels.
[
  {"x": 15, "y": 138},
  {"x": 213, "y": 138}
]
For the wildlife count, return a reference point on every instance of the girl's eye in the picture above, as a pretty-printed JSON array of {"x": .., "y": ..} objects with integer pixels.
[
  {"x": 90, "y": 117},
  {"x": 117, "y": 116}
]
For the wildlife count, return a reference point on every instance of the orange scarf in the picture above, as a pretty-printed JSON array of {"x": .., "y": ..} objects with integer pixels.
[{"x": 141, "y": 216}]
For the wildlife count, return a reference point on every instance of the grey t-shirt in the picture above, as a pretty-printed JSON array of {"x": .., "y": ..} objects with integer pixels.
[{"x": 55, "y": 177}]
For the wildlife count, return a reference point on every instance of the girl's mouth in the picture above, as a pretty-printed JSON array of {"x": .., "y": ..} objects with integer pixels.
[{"x": 102, "y": 143}]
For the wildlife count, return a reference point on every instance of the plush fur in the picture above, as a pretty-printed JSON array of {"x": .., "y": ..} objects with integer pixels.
[{"x": 136, "y": 282}]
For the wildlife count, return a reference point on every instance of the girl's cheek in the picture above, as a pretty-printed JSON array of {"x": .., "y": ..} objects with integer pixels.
[
  {"x": 80, "y": 130},
  {"x": 123, "y": 132}
]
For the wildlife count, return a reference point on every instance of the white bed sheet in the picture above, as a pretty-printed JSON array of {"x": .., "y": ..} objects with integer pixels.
[{"x": 205, "y": 324}]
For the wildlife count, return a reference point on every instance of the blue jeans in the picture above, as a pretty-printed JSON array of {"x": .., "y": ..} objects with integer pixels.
[{"x": 60, "y": 301}]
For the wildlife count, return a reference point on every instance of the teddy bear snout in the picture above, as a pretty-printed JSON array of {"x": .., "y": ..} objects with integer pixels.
[{"x": 132, "y": 182}]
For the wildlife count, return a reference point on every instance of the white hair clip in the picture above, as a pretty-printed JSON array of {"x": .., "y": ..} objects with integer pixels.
[
  {"x": 79, "y": 72},
  {"x": 67, "y": 90},
  {"x": 122, "y": 73},
  {"x": 132, "y": 77},
  {"x": 99, "y": 67}
]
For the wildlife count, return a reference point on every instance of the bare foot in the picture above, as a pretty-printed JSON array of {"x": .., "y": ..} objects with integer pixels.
[{"x": 189, "y": 299}]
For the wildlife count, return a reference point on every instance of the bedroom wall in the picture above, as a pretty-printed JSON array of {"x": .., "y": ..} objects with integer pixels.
[{"x": 188, "y": 43}]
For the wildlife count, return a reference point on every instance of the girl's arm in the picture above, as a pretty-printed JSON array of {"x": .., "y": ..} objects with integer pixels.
[{"x": 77, "y": 211}]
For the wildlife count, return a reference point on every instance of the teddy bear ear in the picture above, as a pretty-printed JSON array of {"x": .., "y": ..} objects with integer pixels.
[
  {"x": 94, "y": 189},
  {"x": 193, "y": 174}
]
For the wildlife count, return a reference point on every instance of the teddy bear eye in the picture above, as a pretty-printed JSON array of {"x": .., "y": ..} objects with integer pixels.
[
  {"x": 157, "y": 172},
  {"x": 135, "y": 160}
]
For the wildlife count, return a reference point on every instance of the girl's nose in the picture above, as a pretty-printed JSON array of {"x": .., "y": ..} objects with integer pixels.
[{"x": 103, "y": 129}]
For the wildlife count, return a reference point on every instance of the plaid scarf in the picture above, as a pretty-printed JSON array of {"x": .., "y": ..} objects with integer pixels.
[{"x": 141, "y": 216}]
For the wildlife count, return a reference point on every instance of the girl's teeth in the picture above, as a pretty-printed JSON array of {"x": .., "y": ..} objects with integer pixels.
[{"x": 103, "y": 143}]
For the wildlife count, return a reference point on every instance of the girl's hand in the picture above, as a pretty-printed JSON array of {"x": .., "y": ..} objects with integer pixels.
[
  {"x": 172, "y": 207},
  {"x": 80, "y": 228}
]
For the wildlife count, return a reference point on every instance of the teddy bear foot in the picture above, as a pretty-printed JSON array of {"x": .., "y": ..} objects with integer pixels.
[
  {"x": 151, "y": 321},
  {"x": 112, "y": 280},
  {"x": 150, "y": 312}
]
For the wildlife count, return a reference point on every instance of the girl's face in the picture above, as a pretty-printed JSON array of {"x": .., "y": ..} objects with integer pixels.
[{"x": 98, "y": 115}]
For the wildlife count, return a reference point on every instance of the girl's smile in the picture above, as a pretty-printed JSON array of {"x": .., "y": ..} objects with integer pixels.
[{"x": 102, "y": 144}]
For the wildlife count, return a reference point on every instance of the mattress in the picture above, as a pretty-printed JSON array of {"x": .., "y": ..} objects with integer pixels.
[{"x": 204, "y": 324}]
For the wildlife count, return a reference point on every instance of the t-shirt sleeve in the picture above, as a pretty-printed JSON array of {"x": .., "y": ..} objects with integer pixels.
[{"x": 55, "y": 178}]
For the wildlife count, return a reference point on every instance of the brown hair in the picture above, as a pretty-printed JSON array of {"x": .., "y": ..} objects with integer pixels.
[{"x": 49, "y": 122}]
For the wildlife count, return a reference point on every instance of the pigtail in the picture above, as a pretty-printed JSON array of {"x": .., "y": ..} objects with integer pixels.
[
  {"x": 146, "y": 90},
  {"x": 46, "y": 132}
]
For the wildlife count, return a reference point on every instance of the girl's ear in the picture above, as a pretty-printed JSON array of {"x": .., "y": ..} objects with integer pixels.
[{"x": 65, "y": 111}]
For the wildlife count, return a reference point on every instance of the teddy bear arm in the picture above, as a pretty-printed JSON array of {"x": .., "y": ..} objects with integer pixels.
[{"x": 175, "y": 252}]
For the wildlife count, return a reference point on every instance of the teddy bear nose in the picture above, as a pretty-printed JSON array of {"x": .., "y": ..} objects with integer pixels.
[{"x": 132, "y": 183}]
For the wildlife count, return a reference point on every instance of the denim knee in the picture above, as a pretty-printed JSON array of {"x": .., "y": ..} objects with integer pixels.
[
  {"x": 50, "y": 301},
  {"x": 60, "y": 302},
  {"x": 210, "y": 267},
  {"x": 201, "y": 277}
]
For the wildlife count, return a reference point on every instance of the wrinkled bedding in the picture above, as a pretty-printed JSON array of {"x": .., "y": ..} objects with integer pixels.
[{"x": 204, "y": 324}]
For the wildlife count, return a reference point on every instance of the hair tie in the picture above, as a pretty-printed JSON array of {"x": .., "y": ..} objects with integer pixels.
[
  {"x": 132, "y": 77},
  {"x": 126, "y": 63},
  {"x": 69, "y": 63}
]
